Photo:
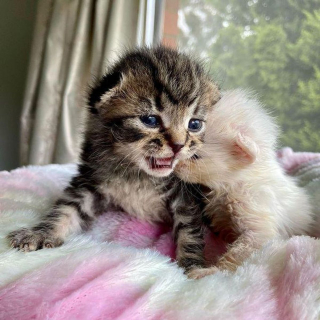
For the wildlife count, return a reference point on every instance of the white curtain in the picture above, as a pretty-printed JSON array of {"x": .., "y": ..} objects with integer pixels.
[{"x": 74, "y": 42}]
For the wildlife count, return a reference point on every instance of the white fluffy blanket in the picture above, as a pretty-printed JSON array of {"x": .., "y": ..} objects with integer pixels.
[{"x": 124, "y": 269}]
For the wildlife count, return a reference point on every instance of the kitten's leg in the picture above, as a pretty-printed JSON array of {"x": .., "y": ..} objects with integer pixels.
[
  {"x": 254, "y": 233},
  {"x": 237, "y": 253},
  {"x": 73, "y": 212},
  {"x": 189, "y": 238},
  {"x": 255, "y": 228},
  {"x": 240, "y": 250},
  {"x": 199, "y": 273}
]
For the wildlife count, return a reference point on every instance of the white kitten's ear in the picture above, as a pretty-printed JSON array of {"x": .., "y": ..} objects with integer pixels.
[{"x": 245, "y": 149}]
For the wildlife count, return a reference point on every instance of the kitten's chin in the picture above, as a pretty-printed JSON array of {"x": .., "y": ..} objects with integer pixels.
[{"x": 159, "y": 167}]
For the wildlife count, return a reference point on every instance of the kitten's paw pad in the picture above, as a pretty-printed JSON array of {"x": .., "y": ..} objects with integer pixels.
[
  {"x": 52, "y": 243},
  {"x": 27, "y": 240},
  {"x": 199, "y": 273}
]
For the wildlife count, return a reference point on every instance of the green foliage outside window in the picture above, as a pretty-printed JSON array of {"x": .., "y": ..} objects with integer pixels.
[{"x": 271, "y": 46}]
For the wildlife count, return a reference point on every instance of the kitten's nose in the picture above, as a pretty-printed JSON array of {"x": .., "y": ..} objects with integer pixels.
[{"x": 176, "y": 147}]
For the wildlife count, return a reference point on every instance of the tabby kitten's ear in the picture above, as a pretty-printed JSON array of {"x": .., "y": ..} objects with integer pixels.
[{"x": 105, "y": 89}]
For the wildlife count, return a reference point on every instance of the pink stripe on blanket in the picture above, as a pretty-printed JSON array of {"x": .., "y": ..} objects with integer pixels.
[
  {"x": 119, "y": 227},
  {"x": 76, "y": 287},
  {"x": 298, "y": 284}
]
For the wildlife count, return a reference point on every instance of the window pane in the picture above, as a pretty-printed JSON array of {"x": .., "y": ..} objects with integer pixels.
[{"x": 271, "y": 46}]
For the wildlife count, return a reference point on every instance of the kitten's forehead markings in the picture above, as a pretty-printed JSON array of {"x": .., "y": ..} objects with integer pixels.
[
  {"x": 153, "y": 105},
  {"x": 200, "y": 112},
  {"x": 193, "y": 106},
  {"x": 194, "y": 100},
  {"x": 170, "y": 97},
  {"x": 166, "y": 120},
  {"x": 158, "y": 103},
  {"x": 146, "y": 101},
  {"x": 176, "y": 116}
]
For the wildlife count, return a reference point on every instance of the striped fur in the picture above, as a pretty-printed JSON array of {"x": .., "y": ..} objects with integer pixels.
[{"x": 121, "y": 153}]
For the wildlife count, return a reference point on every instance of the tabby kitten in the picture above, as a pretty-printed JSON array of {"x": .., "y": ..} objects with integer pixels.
[{"x": 145, "y": 115}]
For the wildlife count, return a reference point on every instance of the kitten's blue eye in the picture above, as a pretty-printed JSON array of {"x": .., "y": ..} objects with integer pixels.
[
  {"x": 195, "y": 125},
  {"x": 150, "y": 121}
]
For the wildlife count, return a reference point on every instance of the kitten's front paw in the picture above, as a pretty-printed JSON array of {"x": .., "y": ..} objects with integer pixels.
[
  {"x": 27, "y": 240},
  {"x": 225, "y": 264},
  {"x": 198, "y": 273}
]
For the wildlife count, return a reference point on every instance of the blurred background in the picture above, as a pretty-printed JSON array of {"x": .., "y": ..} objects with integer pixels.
[{"x": 52, "y": 50}]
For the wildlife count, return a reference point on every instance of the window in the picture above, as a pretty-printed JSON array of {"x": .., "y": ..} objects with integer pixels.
[{"x": 270, "y": 46}]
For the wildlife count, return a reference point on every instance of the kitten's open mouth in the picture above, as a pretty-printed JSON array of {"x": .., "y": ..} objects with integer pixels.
[{"x": 160, "y": 163}]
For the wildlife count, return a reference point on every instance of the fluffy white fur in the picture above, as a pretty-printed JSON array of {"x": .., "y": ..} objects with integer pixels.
[
  {"x": 252, "y": 199},
  {"x": 87, "y": 278}
]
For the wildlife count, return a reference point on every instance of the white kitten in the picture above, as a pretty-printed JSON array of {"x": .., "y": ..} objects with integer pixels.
[{"x": 252, "y": 200}]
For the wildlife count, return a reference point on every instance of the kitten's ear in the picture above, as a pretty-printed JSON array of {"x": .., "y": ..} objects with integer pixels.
[
  {"x": 104, "y": 89},
  {"x": 245, "y": 149}
]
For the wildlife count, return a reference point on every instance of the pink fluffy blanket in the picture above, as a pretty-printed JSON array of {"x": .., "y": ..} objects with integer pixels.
[{"x": 125, "y": 269}]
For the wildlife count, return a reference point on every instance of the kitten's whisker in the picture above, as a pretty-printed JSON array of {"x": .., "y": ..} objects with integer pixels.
[
  {"x": 127, "y": 167},
  {"x": 115, "y": 137},
  {"x": 119, "y": 164}
]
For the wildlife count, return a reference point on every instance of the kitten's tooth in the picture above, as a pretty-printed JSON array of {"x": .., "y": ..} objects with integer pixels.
[{"x": 164, "y": 161}]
